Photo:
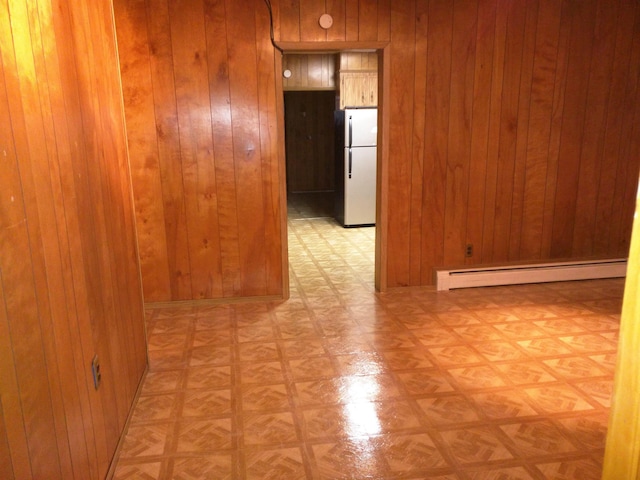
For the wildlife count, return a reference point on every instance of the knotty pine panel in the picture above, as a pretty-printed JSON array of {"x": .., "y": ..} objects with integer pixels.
[{"x": 70, "y": 284}]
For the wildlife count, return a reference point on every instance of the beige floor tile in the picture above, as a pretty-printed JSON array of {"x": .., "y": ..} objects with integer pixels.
[{"x": 501, "y": 383}]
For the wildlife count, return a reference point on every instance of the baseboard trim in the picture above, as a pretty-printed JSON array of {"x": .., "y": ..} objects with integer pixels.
[{"x": 448, "y": 279}]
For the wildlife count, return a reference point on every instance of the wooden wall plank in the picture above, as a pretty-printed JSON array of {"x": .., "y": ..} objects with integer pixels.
[
  {"x": 27, "y": 306},
  {"x": 351, "y": 21},
  {"x": 514, "y": 40},
  {"x": 367, "y": 20},
  {"x": 245, "y": 125},
  {"x": 538, "y": 136},
  {"x": 402, "y": 58},
  {"x": 582, "y": 20},
  {"x": 629, "y": 163},
  {"x": 267, "y": 106},
  {"x": 79, "y": 218},
  {"x": 493, "y": 139},
  {"x": 437, "y": 112},
  {"x": 194, "y": 120},
  {"x": 463, "y": 51},
  {"x": 384, "y": 20},
  {"x": 138, "y": 89},
  {"x": 594, "y": 127},
  {"x": 289, "y": 20},
  {"x": 480, "y": 119},
  {"x": 522, "y": 131},
  {"x": 168, "y": 144},
  {"x": 613, "y": 125},
  {"x": 12, "y": 226},
  {"x": 310, "y": 29},
  {"x": 217, "y": 51},
  {"x": 562, "y": 65},
  {"x": 336, "y": 8},
  {"x": 419, "y": 120}
]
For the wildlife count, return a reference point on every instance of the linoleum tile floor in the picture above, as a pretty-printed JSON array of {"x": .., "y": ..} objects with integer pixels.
[{"x": 342, "y": 382}]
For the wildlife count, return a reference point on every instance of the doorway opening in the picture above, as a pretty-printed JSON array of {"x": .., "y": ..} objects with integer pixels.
[{"x": 325, "y": 258}]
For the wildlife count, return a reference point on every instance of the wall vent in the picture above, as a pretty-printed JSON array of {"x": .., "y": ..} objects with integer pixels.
[{"x": 531, "y": 273}]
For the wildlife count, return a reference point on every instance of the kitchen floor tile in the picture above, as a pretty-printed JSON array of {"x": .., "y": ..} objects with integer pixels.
[{"x": 509, "y": 383}]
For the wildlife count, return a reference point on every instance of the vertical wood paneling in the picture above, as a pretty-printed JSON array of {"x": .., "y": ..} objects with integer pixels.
[
  {"x": 508, "y": 130},
  {"x": 367, "y": 20},
  {"x": 400, "y": 135},
  {"x": 522, "y": 131},
  {"x": 69, "y": 272},
  {"x": 594, "y": 127},
  {"x": 245, "y": 128},
  {"x": 620, "y": 228},
  {"x": 336, "y": 8},
  {"x": 310, "y": 29},
  {"x": 170, "y": 168},
  {"x": 613, "y": 125},
  {"x": 417, "y": 160},
  {"x": 194, "y": 123},
  {"x": 212, "y": 87},
  {"x": 351, "y": 16},
  {"x": 438, "y": 84},
  {"x": 480, "y": 125},
  {"x": 288, "y": 12},
  {"x": 501, "y": 135},
  {"x": 268, "y": 108},
  {"x": 582, "y": 23},
  {"x": 136, "y": 72},
  {"x": 493, "y": 134},
  {"x": 463, "y": 50},
  {"x": 384, "y": 22},
  {"x": 538, "y": 135},
  {"x": 217, "y": 47}
]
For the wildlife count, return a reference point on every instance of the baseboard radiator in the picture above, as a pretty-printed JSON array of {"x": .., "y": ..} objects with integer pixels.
[{"x": 532, "y": 273}]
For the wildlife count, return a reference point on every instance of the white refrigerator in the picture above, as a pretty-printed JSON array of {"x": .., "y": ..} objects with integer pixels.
[{"x": 356, "y": 147}]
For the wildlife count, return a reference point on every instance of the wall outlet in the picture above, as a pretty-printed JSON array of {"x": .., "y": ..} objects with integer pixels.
[
  {"x": 468, "y": 251},
  {"x": 95, "y": 370}
]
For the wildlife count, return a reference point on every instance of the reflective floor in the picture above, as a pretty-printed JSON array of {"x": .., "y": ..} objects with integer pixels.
[{"x": 341, "y": 382}]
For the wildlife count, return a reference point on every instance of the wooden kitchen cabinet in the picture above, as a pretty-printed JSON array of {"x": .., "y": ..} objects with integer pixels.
[
  {"x": 358, "y": 89},
  {"x": 358, "y": 79}
]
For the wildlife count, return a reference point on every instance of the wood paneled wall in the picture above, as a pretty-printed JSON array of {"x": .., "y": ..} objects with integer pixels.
[
  {"x": 513, "y": 126},
  {"x": 69, "y": 277},
  {"x": 309, "y": 72},
  {"x": 200, "y": 101}
]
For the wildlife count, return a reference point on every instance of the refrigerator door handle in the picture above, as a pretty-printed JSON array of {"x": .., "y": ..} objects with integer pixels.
[
  {"x": 350, "y": 161},
  {"x": 350, "y": 130}
]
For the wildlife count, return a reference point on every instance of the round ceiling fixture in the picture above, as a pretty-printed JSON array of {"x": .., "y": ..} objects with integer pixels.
[
  {"x": 286, "y": 73},
  {"x": 326, "y": 21}
]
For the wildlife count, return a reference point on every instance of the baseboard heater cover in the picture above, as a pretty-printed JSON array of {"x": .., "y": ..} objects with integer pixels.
[{"x": 531, "y": 273}]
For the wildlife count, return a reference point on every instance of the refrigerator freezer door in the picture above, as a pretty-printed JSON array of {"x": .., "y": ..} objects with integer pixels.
[
  {"x": 360, "y": 186},
  {"x": 361, "y": 127}
]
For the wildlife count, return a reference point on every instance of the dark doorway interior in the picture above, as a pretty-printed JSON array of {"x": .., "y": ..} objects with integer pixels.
[{"x": 309, "y": 133}]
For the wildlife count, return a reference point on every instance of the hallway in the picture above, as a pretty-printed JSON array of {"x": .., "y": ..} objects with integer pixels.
[{"x": 341, "y": 382}]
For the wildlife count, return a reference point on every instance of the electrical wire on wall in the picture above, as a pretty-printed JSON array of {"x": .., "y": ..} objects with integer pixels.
[{"x": 273, "y": 41}]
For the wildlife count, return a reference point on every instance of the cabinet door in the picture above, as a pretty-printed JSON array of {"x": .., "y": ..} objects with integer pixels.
[{"x": 358, "y": 89}]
